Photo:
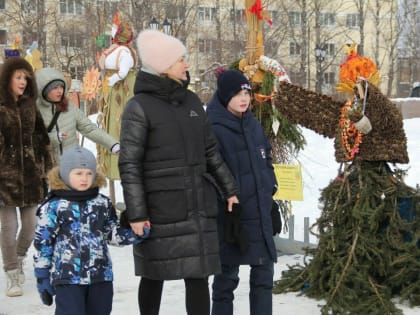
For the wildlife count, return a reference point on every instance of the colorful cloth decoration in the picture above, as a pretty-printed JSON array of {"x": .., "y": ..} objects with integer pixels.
[{"x": 122, "y": 32}]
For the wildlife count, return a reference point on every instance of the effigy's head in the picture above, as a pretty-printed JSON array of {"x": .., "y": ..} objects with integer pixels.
[
  {"x": 354, "y": 69},
  {"x": 122, "y": 32}
]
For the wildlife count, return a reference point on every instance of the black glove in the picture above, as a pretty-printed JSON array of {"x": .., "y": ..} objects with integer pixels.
[
  {"x": 276, "y": 218},
  {"x": 124, "y": 220},
  {"x": 229, "y": 224},
  {"x": 46, "y": 298},
  {"x": 233, "y": 232}
]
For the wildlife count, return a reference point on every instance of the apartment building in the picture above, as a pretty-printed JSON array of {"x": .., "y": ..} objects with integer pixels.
[{"x": 306, "y": 37}]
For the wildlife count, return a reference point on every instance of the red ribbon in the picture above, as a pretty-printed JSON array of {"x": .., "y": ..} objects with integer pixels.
[{"x": 258, "y": 9}]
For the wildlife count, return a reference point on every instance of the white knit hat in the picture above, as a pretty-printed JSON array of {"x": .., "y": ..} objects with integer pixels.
[{"x": 158, "y": 50}]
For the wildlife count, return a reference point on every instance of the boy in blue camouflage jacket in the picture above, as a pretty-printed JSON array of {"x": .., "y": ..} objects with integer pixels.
[{"x": 75, "y": 224}]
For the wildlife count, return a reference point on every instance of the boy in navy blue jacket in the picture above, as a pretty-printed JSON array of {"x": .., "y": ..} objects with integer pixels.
[
  {"x": 75, "y": 224},
  {"x": 249, "y": 241}
]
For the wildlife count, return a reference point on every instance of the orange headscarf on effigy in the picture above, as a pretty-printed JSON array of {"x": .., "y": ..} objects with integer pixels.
[{"x": 354, "y": 68}]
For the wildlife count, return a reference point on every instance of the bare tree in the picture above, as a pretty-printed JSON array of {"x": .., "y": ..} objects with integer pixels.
[
  {"x": 29, "y": 18},
  {"x": 408, "y": 45},
  {"x": 215, "y": 34},
  {"x": 385, "y": 44}
]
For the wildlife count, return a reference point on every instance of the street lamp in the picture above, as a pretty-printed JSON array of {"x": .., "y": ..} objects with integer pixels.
[
  {"x": 154, "y": 25},
  {"x": 320, "y": 54},
  {"x": 166, "y": 26}
]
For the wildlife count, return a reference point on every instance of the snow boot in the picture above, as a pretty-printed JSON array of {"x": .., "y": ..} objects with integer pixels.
[
  {"x": 13, "y": 286},
  {"x": 20, "y": 269}
]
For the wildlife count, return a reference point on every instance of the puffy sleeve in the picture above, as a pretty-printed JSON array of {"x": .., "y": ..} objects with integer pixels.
[
  {"x": 91, "y": 131},
  {"x": 217, "y": 166},
  {"x": 133, "y": 137},
  {"x": 45, "y": 235}
]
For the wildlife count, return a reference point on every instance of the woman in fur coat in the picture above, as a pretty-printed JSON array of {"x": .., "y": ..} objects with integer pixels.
[{"x": 25, "y": 156}]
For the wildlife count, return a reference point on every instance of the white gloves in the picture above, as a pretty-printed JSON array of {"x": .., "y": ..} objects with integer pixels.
[
  {"x": 62, "y": 136},
  {"x": 113, "y": 79},
  {"x": 115, "y": 148}
]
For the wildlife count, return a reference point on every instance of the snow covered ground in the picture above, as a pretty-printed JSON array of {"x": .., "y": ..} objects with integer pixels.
[{"x": 318, "y": 166}]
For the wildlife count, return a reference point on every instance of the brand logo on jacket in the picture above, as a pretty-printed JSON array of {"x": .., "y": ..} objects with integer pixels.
[
  {"x": 262, "y": 153},
  {"x": 193, "y": 114}
]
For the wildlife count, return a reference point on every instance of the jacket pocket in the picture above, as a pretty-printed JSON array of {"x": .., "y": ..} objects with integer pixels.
[
  {"x": 209, "y": 195},
  {"x": 262, "y": 157},
  {"x": 166, "y": 200}
]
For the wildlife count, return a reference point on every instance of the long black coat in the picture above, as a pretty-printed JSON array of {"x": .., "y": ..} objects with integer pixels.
[
  {"x": 25, "y": 152},
  {"x": 247, "y": 153},
  {"x": 169, "y": 166}
]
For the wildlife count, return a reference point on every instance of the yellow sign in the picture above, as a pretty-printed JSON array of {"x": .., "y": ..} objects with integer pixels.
[{"x": 289, "y": 181}]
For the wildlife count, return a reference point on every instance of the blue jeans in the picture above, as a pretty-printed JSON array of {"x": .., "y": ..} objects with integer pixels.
[{"x": 260, "y": 292}]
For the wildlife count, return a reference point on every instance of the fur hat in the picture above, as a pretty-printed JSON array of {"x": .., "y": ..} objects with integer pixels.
[
  {"x": 76, "y": 157},
  {"x": 8, "y": 68},
  {"x": 51, "y": 86},
  {"x": 159, "y": 51},
  {"x": 229, "y": 83}
]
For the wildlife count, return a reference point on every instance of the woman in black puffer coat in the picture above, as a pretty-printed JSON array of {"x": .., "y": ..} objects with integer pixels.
[{"x": 170, "y": 168}]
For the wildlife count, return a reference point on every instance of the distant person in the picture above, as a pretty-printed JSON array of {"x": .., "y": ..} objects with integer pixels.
[
  {"x": 25, "y": 158},
  {"x": 246, "y": 234},
  {"x": 63, "y": 119},
  {"x": 170, "y": 168},
  {"x": 415, "y": 92},
  {"x": 75, "y": 224}
]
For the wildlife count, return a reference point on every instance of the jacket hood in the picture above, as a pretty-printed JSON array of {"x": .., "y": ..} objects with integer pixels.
[
  {"x": 45, "y": 76},
  {"x": 219, "y": 115},
  {"x": 8, "y": 68},
  {"x": 57, "y": 183}
]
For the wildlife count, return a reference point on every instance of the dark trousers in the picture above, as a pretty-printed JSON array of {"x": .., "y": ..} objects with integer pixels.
[
  {"x": 94, "y": 299},
  {"x": 260, "y": 289},
  {"x": 197, "y": 296}
]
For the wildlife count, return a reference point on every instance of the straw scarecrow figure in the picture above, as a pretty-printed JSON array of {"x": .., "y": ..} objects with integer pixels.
[
  {"x": 368, "y": 230},
  {"x": 118, "y": 64}
]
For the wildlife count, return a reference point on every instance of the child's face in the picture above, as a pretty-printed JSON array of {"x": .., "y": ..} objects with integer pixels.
[
  {"x": 239, "y": 103},
  {"x": 81, "y": 179}
]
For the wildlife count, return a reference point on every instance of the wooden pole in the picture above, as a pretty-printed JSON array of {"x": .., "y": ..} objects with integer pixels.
[
  {"x": 255, "y": 40},
  {"x": 112, "y": 191}
]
